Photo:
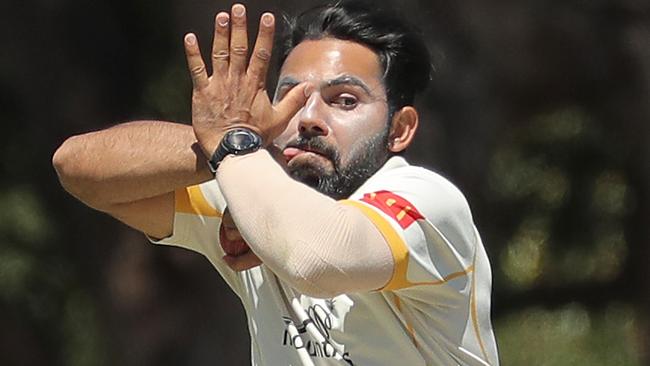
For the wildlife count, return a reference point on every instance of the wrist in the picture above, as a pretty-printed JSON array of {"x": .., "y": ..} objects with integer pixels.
[
  {"x": 236, "y": 141},
  {"x": 209, "y": 139}
]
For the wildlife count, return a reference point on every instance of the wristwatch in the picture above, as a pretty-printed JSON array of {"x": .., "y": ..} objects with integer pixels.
[{"x": 238, "y": 141}]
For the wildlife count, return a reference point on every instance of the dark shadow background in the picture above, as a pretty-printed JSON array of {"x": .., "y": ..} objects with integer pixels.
[{"x": 539, "y": 112}]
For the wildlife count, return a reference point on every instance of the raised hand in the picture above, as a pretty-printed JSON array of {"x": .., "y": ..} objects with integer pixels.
[{"x": 235, "y": 95}]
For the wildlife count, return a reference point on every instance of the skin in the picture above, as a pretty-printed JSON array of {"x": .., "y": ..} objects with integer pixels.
[
  {"x": 235, "y": 94},
  {"x": 338, "y": 139},
  {"x": 329, "y": 89},
  {"x": 346, "y": 99}
]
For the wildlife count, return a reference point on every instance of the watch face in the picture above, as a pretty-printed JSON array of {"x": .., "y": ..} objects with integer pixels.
[
  {"x": 241, "y": 140},
  {"x": 237, "y": 142}
]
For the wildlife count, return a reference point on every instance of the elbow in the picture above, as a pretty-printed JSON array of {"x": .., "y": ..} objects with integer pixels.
[
  {"x": 66, "y": 164},
  {"x": 304, "y": 272},
  {"x": 63, "y": 163},
  {"x": 310, "y": 284},
  {"x": 350, "y": 256},
  {"x": 314, "y": 275}
]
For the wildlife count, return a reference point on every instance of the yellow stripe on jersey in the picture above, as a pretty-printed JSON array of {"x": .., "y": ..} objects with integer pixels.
[
  {"x": 397, "y": 246},
  {"x": 409, "y": 326},
  {"x": 400, "y": 252},
  {"x": 448, "y": 278},
  {"x": 474, "y": 315},
  {"x": 192, "y": 201}
]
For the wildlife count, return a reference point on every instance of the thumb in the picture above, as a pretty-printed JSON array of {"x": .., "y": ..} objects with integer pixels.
[{"x": 290, "y": 104}]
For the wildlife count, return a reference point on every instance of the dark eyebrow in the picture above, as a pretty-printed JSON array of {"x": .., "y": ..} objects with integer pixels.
[
  {"x": 287, "y": 81},
  {"x": 349, "y": 80}
]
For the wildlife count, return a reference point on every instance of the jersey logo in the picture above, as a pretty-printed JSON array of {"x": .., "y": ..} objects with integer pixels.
[{"x": 394, "y": 206}]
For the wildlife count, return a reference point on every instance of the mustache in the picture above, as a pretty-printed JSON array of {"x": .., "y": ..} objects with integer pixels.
[{"x": 317, "y": 145}]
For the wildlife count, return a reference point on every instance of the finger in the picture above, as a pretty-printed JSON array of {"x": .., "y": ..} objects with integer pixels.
[
  {"x": 195, "y": 63},
  {"x": 227, "y": 219},
  {"x": 261, "y": 57},
  {"x": 232, "y": 234},
  {"x": 290, "y": 104},
  {"x": 238, "y": 40},
  {"x": 231, "y": 245},
  {"x": 229, "y": 227},
  {"x": 220, "y": 43},
  {"x": 242, "y": 262}
]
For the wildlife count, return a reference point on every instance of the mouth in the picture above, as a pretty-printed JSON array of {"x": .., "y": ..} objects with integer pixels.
[{"x": 290, "y": 153}]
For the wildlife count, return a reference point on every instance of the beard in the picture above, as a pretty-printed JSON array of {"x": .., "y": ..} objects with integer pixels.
[{"x": 366, "y": 157}]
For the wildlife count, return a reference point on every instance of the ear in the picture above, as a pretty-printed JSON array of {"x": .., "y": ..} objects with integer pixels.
[{"x": 403, "y": 127}]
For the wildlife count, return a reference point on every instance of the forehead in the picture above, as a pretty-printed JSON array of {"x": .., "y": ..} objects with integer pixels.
[{"x": 328, "y": 58}]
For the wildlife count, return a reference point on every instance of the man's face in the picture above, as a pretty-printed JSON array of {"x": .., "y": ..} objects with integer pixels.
[{"x": 339, "y": 138}]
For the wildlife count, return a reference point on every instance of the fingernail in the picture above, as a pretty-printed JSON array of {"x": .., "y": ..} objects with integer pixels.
[
  {"x": 190, "y": 39},
  {"x": 308, "y": 90},
  {"x": 222, "y": 19},
  {"x": 267, "y": 19},
  {"x": 238, "y": 10}
]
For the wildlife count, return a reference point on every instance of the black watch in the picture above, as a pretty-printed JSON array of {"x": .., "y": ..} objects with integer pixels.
[{"x": 238, "y": 141}]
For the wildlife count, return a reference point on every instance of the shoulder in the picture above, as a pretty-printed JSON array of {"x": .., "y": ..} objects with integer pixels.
[
  {"x": 429, "y": 192},
  {"x": 203, "y": 199}
]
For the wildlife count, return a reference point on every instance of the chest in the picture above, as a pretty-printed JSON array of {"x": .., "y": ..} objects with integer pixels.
[{"x": 290, "y": 328}]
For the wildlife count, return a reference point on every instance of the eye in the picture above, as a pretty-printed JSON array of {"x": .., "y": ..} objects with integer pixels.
[{"x": 344, "y": 101}]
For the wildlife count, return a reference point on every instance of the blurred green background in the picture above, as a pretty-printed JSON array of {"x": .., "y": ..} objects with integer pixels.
[{"x": 539, "y": 111}]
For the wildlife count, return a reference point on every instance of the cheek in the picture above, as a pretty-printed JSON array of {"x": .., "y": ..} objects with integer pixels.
[{"x": 350, "y": 127}]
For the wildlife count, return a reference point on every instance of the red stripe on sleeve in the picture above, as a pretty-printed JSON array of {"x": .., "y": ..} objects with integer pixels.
[{"x": 401, "y": 210}]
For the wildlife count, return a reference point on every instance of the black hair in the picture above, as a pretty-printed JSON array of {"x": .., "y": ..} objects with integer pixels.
[{"x": 402, "y": 53}]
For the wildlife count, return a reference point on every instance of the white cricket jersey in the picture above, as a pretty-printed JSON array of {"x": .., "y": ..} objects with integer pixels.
[{"x": 435, "y": 310}]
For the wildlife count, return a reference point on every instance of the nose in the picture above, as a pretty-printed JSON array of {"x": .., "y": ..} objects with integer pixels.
[{"x": 312, "y": 118}]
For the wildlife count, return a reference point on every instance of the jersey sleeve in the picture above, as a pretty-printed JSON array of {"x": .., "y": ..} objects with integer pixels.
[
  {"x": 197, "y": 218},
  {"x": 427, "y": 224},
  {"x": 441, "y": 276}
]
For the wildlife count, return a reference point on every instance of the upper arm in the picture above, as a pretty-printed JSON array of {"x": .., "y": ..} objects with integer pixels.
[
  {"x": 427, "y": 225},
  {"x": 153, "y": 216}
]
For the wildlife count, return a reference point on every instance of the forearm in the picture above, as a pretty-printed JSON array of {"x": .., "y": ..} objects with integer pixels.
[
  {"x": 321, "y": 246},
  {"x": 129, "y": 162}
]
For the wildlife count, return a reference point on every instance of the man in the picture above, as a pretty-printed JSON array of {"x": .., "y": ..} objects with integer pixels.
[{"x": 340, "y": 251}]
